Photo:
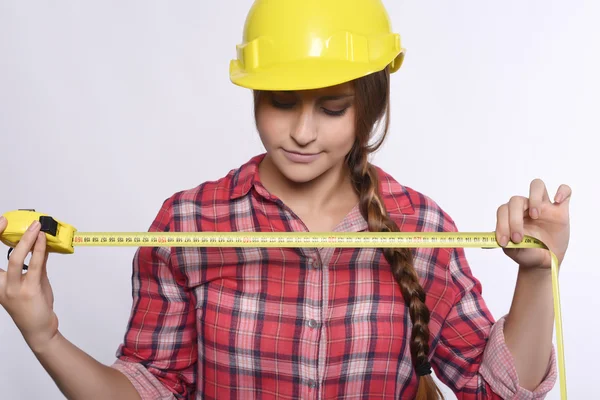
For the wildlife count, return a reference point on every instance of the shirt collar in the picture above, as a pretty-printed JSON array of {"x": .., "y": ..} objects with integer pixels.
[{"x": 245, "y": 178}]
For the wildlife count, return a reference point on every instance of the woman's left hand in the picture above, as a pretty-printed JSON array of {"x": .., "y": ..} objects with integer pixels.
[{"x": 539, "y": 217}]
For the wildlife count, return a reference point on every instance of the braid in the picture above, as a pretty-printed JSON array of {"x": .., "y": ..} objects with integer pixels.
[
  {"x": 366, "y": 184},
  {"x": 365, "y": 180}
]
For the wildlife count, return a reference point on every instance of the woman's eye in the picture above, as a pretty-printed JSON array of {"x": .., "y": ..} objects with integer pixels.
[
  {"x": 283, "y": 104},
  {"x": 334, "y": 113}
]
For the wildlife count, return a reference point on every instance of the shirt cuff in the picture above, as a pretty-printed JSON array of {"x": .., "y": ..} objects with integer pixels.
[
  {"x": 499, "y": 371},
  {"x": 147, "y": 385}
]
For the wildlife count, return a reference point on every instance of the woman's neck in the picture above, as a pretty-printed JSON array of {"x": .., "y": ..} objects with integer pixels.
[{"x": 332, "y": 190}]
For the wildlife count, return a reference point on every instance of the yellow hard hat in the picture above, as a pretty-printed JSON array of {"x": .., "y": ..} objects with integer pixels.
[{"x": 310, "y": 44}]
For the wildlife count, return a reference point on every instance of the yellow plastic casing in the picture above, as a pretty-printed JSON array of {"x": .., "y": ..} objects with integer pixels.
[{"x": 20, "y": 220}]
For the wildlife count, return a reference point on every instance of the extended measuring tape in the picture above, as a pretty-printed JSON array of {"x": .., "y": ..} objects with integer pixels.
[{"x": 62, "y": 238}]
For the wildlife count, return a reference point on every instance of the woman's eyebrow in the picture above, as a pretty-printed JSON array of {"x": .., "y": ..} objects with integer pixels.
[
  {"x": 321, "y": 98},
  {"x": 336, "y": 97}
]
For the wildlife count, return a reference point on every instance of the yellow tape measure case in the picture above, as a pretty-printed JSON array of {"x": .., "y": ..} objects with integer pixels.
[{"x": 59, "y": 236}]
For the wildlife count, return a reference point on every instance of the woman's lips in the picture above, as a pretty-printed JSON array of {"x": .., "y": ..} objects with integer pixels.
[{"x": 303, "y": 158}]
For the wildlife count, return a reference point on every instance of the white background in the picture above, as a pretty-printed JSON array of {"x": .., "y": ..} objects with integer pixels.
[{"x": 109, "y": 107}]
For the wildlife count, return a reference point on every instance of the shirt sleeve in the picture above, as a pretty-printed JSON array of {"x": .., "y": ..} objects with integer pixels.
[
  {"x": 471, "y": 356},
  {"x": 159, "y": 351}
]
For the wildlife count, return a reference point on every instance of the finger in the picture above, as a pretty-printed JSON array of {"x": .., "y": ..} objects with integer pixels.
[
  {"x": 502, "y": 225},
  {"x": 17, "y": 257},
  {"x": 45, "y": 270},
  {"x": 38, "y": 257},
  {"x": 537, "y": 195},
  {"x": 45, "y": 264},
  {"x": 516, "y": 207},
  {"x": 563, "y": 194}
]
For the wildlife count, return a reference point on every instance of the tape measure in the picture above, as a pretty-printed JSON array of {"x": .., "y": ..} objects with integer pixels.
[{"x": 63, "y": 238}]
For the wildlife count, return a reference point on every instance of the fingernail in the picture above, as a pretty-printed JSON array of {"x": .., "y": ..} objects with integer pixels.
[
  {"x": 503, "y": 241},
  {"x": 516, "y": 237},
  {"x": 34, "y": 226},
  {"x": 558, "y": 198},
  {"x": 534, "y": 213},
  {"x": 2, "y": 218}
]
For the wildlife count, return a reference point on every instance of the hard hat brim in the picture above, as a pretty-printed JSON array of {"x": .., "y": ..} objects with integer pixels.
[{"x": 313, "y": 73}]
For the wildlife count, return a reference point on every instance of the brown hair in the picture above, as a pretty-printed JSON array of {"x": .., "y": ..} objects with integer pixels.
[{"x": 372, "y": 105}]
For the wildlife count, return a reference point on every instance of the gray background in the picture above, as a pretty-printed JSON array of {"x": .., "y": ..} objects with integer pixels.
[{"x": 109, "y": 107}]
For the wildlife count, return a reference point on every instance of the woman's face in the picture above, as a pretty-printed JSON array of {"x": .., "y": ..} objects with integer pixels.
[{"x": 307, "y": 133}]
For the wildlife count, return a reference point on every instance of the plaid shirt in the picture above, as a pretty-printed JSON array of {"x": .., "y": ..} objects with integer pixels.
[{"x": 308, "y": 323}]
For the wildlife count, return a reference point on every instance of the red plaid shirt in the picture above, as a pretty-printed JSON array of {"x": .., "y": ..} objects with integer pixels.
[{"x": 217, "y": 323}]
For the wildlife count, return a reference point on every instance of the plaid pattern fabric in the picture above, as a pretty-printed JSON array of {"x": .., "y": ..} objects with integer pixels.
[{"x": 229, "y": 323}]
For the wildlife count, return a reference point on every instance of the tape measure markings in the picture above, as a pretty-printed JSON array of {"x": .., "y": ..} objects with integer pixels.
[{"x": 296, "y": 239}]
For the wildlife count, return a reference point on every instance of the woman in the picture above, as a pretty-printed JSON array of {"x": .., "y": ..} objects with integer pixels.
[{"x": 312, "y": 323}]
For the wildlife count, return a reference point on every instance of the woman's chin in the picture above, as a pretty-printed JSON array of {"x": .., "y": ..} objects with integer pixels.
[{"x": 300, "y": 173}]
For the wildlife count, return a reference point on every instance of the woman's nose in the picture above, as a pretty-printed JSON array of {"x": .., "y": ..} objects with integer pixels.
[{"x": 304, "y": 130}]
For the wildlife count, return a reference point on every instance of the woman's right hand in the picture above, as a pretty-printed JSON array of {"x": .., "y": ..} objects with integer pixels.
[{"x": 28, "y": 297}]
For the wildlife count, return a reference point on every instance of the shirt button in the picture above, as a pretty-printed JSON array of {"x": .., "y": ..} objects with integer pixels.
[
  {"x": 312, "y": 384},
  {"x": 312, "y": 323}
]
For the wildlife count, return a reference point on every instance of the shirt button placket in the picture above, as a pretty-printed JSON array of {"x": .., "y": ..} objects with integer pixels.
[{"x": 313, "y": 264}]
